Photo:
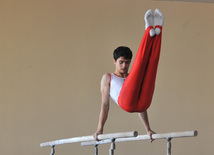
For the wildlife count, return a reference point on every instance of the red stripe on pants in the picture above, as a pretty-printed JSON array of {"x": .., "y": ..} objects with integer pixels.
[{"x": 137, "y": 91}]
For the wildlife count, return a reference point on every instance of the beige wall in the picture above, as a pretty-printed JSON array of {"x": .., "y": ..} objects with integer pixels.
[{"x": 53, "y": 54}]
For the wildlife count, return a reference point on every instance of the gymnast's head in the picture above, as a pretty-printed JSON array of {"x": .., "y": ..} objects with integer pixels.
[
  {"x": 122, "y": 59},
  {"x": 122, "y": 51}
]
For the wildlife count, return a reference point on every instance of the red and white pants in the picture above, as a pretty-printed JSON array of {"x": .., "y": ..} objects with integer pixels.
[{"x": 137, "y": 91}]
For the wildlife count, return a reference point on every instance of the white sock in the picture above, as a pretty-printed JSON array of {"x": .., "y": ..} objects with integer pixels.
[
  {"x": 157, "y": 30},
  {"x": 149, "y": 19},
  {"x": 152, "y": 32},
  {"x": 158, "y": 20}
]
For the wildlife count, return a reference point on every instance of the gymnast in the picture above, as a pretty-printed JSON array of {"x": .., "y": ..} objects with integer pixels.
[{"x": 133, "y": 91}]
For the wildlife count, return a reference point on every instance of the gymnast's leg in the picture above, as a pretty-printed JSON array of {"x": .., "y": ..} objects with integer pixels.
[
  {"x": 131, "y": 89},
  {"x": 150, "y": 76},
  {"x": 138, "y": 88}
]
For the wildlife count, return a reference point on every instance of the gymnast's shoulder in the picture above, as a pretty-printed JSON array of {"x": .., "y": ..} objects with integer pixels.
[{"x": 106, "y": 78}]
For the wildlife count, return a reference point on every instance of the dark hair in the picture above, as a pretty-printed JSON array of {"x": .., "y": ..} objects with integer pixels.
[{"x": 122, "y": 51}]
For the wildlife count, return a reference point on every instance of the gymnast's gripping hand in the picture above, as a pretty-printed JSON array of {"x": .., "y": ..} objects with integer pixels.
[
  {"x": 150, "y": 133},
  {"x": 95, "y": 135}
]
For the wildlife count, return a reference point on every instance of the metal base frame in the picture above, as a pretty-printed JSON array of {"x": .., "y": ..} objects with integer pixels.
[{"x": 113, "y": 147}]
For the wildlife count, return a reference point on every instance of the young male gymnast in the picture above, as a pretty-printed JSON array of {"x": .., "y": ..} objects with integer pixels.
[{"x": 133, "y": 91}]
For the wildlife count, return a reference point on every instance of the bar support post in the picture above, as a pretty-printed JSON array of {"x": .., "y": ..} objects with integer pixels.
[
  {"x": 96, "y": 149},
  {"x": 52, "y": 150},
  {"x": 169, "y": 146},
  {"x": 113, "y": 146}
]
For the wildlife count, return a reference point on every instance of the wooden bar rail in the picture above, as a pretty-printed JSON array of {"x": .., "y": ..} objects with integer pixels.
[
  {"x": 145, "y": 137},
  {"x": 90, "y": 138}
]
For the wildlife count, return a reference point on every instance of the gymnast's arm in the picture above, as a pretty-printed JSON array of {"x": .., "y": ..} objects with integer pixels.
[
  {"x": 105, "y": 90},
  {"x": 145, "y": 120}
]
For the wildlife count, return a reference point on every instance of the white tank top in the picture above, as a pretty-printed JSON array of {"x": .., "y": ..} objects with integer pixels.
[{"x": 116, "y": 84}]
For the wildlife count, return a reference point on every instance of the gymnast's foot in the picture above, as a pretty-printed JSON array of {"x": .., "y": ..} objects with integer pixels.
[
  {"x": 158, "y": 21},
  {"x": 149, "y": 21}
]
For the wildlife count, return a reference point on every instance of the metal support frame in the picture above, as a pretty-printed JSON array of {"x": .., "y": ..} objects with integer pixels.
[
  {"x": 113, "y": 146},
  {"x": 169, "y": 146},
  {"x": 96, "y": 149},
  {"x": 52, "y": 150}
]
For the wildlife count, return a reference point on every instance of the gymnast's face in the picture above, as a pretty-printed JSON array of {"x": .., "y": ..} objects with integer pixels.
[{"x": 122, "y": 65}]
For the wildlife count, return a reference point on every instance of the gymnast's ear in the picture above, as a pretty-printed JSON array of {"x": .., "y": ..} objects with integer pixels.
[{"x": 114, "y": 61}]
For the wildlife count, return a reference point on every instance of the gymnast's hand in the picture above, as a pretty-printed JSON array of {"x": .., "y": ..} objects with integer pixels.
[
  {"x": 95, "y": 135},
  {"x": 150, "y": 133}
]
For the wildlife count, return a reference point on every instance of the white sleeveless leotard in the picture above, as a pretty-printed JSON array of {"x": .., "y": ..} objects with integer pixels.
[{"x": 116, "y": 84}]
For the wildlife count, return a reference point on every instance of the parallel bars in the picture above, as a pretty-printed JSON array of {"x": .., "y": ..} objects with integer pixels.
[{"x": 119, "y": 137}]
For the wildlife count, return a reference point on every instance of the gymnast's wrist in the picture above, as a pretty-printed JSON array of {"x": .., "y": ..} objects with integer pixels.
[
  {"x": 99, "y": 132},
  {"x": 100, "y": 128},
  {"x": 148, "y": 129}
]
